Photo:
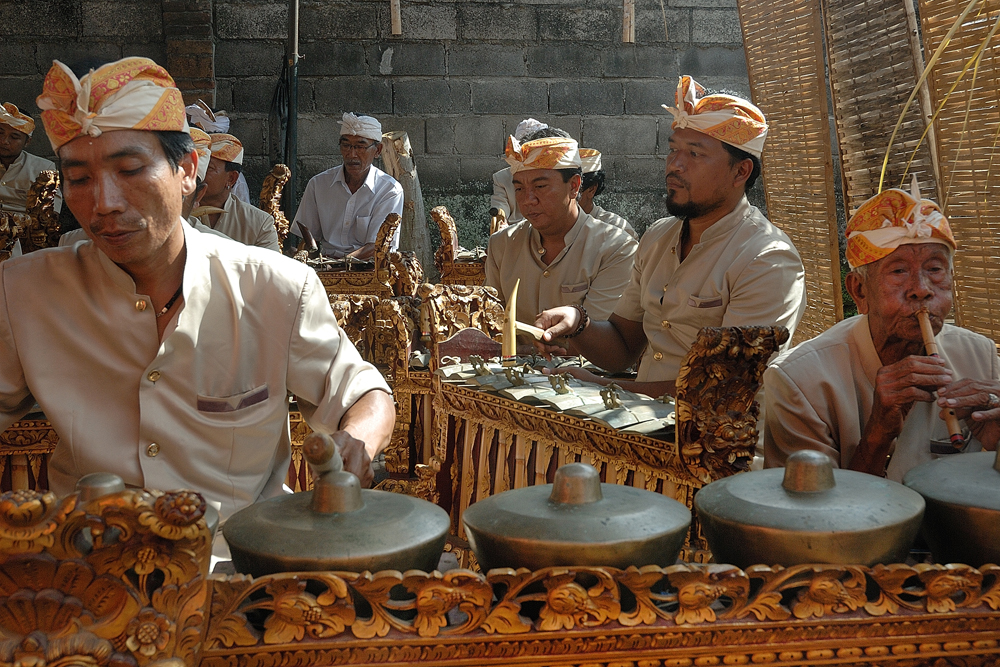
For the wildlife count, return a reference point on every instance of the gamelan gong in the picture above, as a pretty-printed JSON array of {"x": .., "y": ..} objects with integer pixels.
[
  {"x": 576, "y": 520},
  {"x": 336, "y": 526},
  {"x": 962, "y": 522},
  {"x": 808, "y": 513}
]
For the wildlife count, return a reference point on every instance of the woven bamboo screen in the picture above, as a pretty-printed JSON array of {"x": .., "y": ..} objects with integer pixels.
[
  {"x": 970, "y": 159},
  {"x": 871, "y": 75},
  {"x": 783, "y": 43}
]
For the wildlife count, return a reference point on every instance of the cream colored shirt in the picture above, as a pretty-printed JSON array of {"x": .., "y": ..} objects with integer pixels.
[
  {"x": 206, "y": 409},
  {"x": 18, "y": 177},
  {"x": 75, "y": 235},
  {"x": 744, "y": 272},
  {"x": 819, "y": 395},
  {"x": 592, "y": 270},
  {"x": 599, "y": 213},
  {"x": 503, "y": 196},
  {"x": 246, "y": 224}
]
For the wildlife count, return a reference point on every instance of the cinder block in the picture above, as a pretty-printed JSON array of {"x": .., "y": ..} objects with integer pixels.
[
  {"x": 338, "y": 21},
  {"x": 649, "y": 26},
  {"x": 716, "y": 26},
  {"x": 438, "y": 171},
  {"x": 646, "y": 96},
  {"x": 331, "y": 58},
  {"x": 441, "y": 135},
  {"x": 564, "y": 61},
  {"x": 191, "y": 67},
  {"x": 663, "y": 132},
  {"x": 414, "y": 128},
  {"x": 485, "y": 60},
  {"x": 223, "y": 94},
  {"x": 638, "y": 173},
  {"x": 430, "y": 96},
  {"x": 527, "y": 96},
  {"x": 405, "y": 59},
  {"x": 253, "y": 94},
  {"x": 628, "y": 60},
  {"x": 493, "y": 23},
  {"x": 623, "y": 135},
  {"x": 478, "y": 171},
  {"x": 703, "y": 4},
  {"x": 19, "y": 57},
  {"x": 122, "y": 19},
  {"x": 91, "y": 54},
  {"x": 479, "y": 135},
  {"x": 319, "y": 135},
  {"x": 22, "y": 91},
  {"x": 714, "y": 61},
  {"x": 586, "y": 97},
  {"x": 569, "y": 123},
  {"x": 251, "y": 131},
  {"x": 437, "y": 22},
  {"x": 46, "y": 19},
  {"x": 587, "y": 25},
  {"x": 311, "y": 165},
  {"x": 335, "y": 95},
  {"x": 234, "y": 58},
  {"x": 251, "y": 21}
]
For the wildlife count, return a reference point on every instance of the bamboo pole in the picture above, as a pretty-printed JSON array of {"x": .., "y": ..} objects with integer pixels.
[
  {"x": 926, "y": 106},
  {"x": 397, "y": 19},
  {"x": 628, "y": 22}
]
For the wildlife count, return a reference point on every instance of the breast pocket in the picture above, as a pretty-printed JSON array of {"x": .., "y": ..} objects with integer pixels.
[
  {"x": 361, "y": 231},
  {"x": 577, "y": 288},
  {"x": 234, "y": 403}
]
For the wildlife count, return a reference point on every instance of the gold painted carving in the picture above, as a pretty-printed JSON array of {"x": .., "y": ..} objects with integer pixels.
[
  {"x": 447, "y": 309},
  {"x": 452, "y": 270},
  {"x": 270, "y": 199},
  {"x": 42, "y": 226},
  {"x": 116, "y": 581}
]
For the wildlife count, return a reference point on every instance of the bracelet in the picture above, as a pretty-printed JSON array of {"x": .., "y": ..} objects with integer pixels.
[{"x": 584, "y": 321}]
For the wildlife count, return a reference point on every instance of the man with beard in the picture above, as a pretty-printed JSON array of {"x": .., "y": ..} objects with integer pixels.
[
  {"x": 344, "y": 207},
  {"x": 717, "y": 262}
]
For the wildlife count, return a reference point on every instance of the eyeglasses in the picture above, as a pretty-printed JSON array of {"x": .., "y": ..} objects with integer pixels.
[{"x": 355, "y": 148}]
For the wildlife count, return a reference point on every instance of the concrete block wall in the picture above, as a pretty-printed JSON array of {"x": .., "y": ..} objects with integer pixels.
[{"x": 464, "y": 73}]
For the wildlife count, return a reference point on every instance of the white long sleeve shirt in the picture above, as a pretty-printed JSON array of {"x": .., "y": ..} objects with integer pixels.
[{"x": 345, "y": 221}]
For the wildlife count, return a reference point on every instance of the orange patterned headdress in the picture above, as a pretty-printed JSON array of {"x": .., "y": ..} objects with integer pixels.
[
  {"x": 227, "y": 148},
  {"x": 130, "y": 94},
  {"x": 202, "y": 146},
  {"x": 591, "y": 160},
  {"x": 729, "y": 119},
  {"x": 10, "y": 115},
  {"x": 546, "y": 153},
  {"x": 893, "y": 218}
]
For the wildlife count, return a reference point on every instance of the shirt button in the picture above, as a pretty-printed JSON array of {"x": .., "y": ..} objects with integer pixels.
[
  {"x": 657, "y": 355},
  {"x": 153, "y": 376},
  {"x": 140, "y": 305},
  {"x": 152, "y": 450},
  {"x": 545, "y": 273},
  {"x": 666, "y": 324},
  {"x": 541, "y": 251},
  {"x": 673, "y": 251}
]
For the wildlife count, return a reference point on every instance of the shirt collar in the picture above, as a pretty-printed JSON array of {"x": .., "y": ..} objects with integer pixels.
[
  {"x": 17, "y": 163},
  {"x": 568, "y": 238},
  {"x": 728, "y": 222},
  {"x": 870, "y": 361},
  {"x": 369, "y": 180}
]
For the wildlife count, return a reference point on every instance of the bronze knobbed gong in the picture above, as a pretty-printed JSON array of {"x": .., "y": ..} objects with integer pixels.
[
  {"x": 576, "y": 520},
  {"x": 336, "y": 526},
  {"x": 808, "y": 512},
  {"x": 962, "y": 522}
]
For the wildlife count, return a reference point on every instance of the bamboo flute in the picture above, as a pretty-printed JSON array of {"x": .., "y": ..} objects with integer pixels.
[{"x": 930, "y": 344}]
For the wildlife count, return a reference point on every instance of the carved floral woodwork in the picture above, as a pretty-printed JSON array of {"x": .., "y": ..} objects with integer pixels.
[
  {"x": 678, "y": 615},
  {"x": 447, "y": 309},
  {"x": 270, "y": 199},
  {"x": 42, "y": 231},
  {"x": 116, "y": 581},
  {"x": 452, "y": 270},
  {"x": 24, "y": 448}
]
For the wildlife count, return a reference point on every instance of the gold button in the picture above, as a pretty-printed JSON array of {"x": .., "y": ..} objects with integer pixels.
[
  {"x": 658, "y": 355},
  {"x": 152, "y": 450},
  {"x": 666, "y": 324},
  {"x": 153, "y": 376},
  {"x": 673, "y": 250},
  {"x": 545, "y": 273},
  {"x": 140, "y": 305}
]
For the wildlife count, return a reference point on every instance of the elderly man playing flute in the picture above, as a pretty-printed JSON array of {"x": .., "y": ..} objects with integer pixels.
[{"x": 863, "y": 392}]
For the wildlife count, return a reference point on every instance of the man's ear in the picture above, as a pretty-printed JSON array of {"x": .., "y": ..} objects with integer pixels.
[
  {"x": 856, "y": 288},
  {"x": 231, "y": 178},
  {"x": 378, "y": 148},
  {"x": 575, "y": 182},
  {"x": 189, "y": 168},
  {"x": 744, "y": 168}
]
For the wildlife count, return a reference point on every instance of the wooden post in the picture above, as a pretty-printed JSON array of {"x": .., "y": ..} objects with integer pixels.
[
  {"x": 926, "y": 106},
  {"x": 397, "y": 20},
  {"x": 628, "y": 22}
]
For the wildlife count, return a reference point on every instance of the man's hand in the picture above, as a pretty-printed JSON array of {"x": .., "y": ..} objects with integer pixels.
[
  {"x": 355, "y": 455},
  {"x": 557, "y": 322},
  {"x": 972, "y": 400},
  {"x": 367, "y": 251},
  {"x": 897, "y": 387}
]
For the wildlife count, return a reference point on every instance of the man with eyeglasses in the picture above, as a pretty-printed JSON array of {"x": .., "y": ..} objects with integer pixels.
[{"x": 344, "y": 207}]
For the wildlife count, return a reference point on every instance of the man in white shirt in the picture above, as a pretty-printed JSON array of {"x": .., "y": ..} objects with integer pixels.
[
  {"x": 18, "y": 168},
  {"x": 344, "y": 207},
  {"x": 162, "y": 354},
  {"x": 221, "y": 209}
]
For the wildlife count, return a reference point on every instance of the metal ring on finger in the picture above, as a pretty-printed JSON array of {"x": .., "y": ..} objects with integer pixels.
[{"x": 993, "y": 402}]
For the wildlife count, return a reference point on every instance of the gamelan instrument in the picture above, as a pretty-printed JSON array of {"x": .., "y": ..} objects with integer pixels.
[{"x": 927, "y": 332}]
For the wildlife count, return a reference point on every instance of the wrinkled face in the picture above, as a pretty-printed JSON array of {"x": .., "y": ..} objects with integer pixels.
[
  {"x": 12, "y": 142},
  {"x": 217, "y": 179},
  {"x": 898, "y": 285},
  {"x": 700, "y": 177},
  {"x": 125, "y": 194},
  {"x": 358, "y": 153},
  {"x": 544, "y": 198}
]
